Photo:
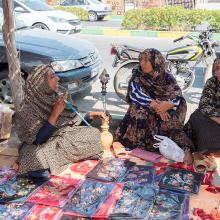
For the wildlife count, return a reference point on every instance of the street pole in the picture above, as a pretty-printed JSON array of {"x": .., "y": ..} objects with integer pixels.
[{"x": 12, "y": 54}]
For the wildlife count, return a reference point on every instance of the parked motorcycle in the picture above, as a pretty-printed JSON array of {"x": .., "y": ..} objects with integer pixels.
[{"x": 180, "y": 61}]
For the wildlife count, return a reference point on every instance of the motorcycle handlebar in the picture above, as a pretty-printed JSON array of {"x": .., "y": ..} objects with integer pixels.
[
  {"x": 178, "y": 39},
  {"x": 214, "y": 30}
]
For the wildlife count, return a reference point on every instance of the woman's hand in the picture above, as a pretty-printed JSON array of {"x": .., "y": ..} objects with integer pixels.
[
  {"x": 106, "y": 116},
  {"x": 216, "y": 119},
  {"x": 165, "y": 116},
  {"x": 154, "y": 104},
  {"x": 58, "y": 108},
  {"x": 163, "y": 106}
]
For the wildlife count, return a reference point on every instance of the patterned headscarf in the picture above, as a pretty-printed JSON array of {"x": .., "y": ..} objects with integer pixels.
[
  {"x": 161, "y": 85},
  {"x": 37, "y": 106},
  {"x": 213, "y": 67}
]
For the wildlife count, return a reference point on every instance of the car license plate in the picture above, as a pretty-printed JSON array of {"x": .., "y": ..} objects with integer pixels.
[{"x": 72, "y": 86}]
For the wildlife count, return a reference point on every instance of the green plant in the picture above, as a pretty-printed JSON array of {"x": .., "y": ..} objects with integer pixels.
[
  {"x": 79, "y": 12},
  {"x": 169, "y": 18}
]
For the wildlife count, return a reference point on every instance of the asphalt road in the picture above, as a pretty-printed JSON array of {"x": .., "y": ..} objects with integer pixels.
[{"x": 92, "y": 100}]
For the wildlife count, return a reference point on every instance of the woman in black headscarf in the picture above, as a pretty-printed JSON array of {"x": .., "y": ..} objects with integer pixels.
[
  {"x": 156, "y": 107},
  {"x": 203, "y": 126}
]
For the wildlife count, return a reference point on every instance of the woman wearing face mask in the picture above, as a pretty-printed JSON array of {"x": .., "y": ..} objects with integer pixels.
[
  {"x": 203, "y": 126},
  {"x": 52, "y": 136},
  {"x": 156, "y": 107}
]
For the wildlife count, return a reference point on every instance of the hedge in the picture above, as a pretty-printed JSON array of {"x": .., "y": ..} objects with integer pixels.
[
  {"x": 79, "y": 12},
  {"x": 169, "y": 18}
]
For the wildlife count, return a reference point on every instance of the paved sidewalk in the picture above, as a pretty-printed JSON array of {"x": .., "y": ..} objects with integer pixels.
[{"x": 137, "y": 33}]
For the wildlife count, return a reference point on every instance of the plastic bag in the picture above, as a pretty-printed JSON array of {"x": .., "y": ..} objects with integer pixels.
[
  {"x": 5, "y": 121},
  {"x": 169, "y": 148}
]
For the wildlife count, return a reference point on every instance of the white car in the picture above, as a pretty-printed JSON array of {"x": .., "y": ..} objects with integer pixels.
[
  {"x": 96, "y": 9},
  {"x": 40, "y": 15}
]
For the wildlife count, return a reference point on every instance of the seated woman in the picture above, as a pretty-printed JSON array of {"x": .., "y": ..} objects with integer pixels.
[
  {"x": 52, "y": 136},
  {"x": 156, "y": 106},
  {"x": 203, "y": 126}
]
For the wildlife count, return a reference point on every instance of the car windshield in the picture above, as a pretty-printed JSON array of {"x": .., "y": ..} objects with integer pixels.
[
  {"x": 96, "y": 1},
  {"x": 18, "y": 23},
  {"x": 36, "y": 5}
]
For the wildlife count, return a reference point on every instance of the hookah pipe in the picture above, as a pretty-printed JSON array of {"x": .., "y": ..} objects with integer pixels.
[
  {"x": 106, "y": 136},
  {"x": 104, "y": 78},
  {"x": 63, "y": 91}
]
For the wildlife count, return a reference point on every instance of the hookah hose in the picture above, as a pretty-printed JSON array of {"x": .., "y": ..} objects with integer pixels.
[
  {"x": 73, "y": 109},
  {"x": 64, "y": 92}
]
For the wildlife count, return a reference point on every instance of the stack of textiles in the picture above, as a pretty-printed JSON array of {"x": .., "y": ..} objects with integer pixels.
[{"x": 110, "y": 188}]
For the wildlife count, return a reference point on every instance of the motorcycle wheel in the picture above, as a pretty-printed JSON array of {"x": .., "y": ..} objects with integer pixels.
[
  {"x": 122, "y": 78},
  {"x": 185, "y": 80}
]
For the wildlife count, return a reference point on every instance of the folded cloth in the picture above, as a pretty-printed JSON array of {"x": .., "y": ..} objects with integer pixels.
[
  {"x": 105, "y": 209},
  {"x": 44, "y": 212},
  {"x": 110, "y": 170},
  {"x": 84, "y": 167},
  {"x": 167, "y": 205},
  {"x": 181, "y": 180},
  {"x": 139, "y": 174},
  {"x": 135, "y": 202},
  {"x": 5, "y": 174},
  {"x": 56, "y": 191},
  {"x": 87, "y": 200},
  {"x": 18, "y": 189},
  {"x": 15, "y": 211},
  {"x": 146, "y": 155}
]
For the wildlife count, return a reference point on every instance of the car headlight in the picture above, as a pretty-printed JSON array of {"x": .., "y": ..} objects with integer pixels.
[
  {"x": 61, "y": 66},
  {"x": 97, "y": 53},
  {"x": 56, "y": 19}
]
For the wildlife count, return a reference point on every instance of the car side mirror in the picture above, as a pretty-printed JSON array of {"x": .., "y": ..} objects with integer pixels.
[{"x": 19, "y": 9}]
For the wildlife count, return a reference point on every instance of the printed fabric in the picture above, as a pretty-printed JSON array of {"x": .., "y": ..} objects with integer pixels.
[
  {"x": 15, "y": 211},
  {"x": 168, "y": 205},
  {"x": 110, "y": 170},
  {"x": 91, "y": 195},
  {"x": 56, "y": 191},
  {"x": 39, "y": 212},
  {"x": 6, "y": 174},
  {"x": 139, "y": 174},
  {"x": 181, "y": 180},
  {"x": 135, "y": 203},
  {"x": 18, "y": 189}
]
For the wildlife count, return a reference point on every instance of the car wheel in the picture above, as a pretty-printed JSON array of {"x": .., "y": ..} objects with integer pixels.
[
  {"x": 100, "y": 18},
  {"x": 93, "y": 16},
  {"x": 40, "y": 26},
  {"x": 5, "y": 88}
]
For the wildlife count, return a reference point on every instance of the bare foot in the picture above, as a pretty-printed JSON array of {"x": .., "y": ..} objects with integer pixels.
[
  {"x": 119, "y": 149},
  {"x": 198, "y": 156},
  {"x": 188, "y": 159}
]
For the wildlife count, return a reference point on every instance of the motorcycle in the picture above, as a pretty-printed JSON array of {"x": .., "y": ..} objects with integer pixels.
[{"x": 181, "y": 61}]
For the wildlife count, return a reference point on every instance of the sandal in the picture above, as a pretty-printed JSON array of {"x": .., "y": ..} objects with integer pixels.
[
  {"x": 119, "y": 150},
  {"x": 210, "y": 163},
  {"x": 204, "y": 165},
  {"x": 200, "y": 166}
]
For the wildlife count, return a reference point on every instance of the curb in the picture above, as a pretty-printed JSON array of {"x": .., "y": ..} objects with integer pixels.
[
  {"x": 136, "y": 33},
  {"x": 114, "y": 18}
]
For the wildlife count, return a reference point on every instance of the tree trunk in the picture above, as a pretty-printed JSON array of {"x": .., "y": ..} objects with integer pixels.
[{"x": 12, "y": 54}]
